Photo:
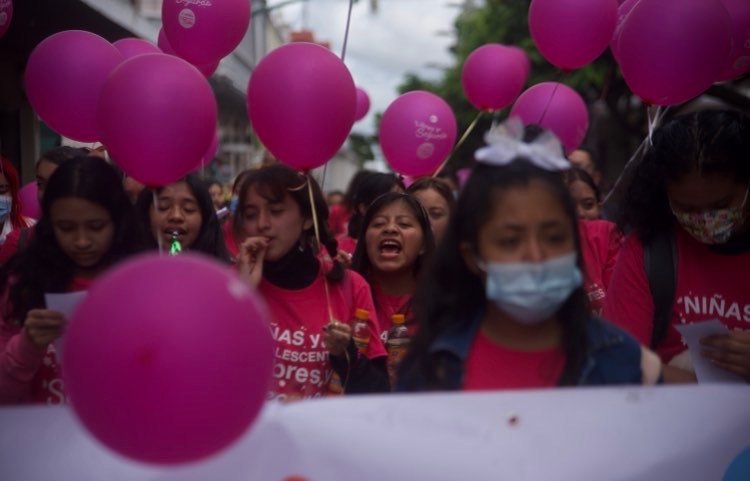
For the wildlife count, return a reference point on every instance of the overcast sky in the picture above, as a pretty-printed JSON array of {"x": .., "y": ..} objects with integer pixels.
[{"x": 403, "y": 36}]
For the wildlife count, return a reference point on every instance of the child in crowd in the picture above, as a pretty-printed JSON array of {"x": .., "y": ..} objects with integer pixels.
[
  {"x": 87, "y": 225},
  {"x": 310, "y": 301}
]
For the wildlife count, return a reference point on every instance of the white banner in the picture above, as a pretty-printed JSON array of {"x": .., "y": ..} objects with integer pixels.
[{"x": 689, "y": 433}]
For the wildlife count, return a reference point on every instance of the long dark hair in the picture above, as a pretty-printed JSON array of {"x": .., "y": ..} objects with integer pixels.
[
  {"x": 361, "y": 261},
  {"x": 210, "y": 239},
  {"x": 43, "y": 266},
  {"x": 275, "y": 182},
  {"x": 369, "y": 186},
  {"x": 450, "y": 294},
  {"x": 710, "y": 141}
]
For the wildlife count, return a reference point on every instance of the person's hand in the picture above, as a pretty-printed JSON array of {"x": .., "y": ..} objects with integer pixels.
[
  {"x": 43, "y": 326},
  {"x": 336, "y": 337},
  {"x": 730, "y": 352},
  {"x": 250, "y": 259},
  {"x": 344, "y": 258}
]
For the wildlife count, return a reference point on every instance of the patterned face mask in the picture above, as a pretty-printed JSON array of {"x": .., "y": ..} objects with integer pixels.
[{"x": 711, "y": 226}]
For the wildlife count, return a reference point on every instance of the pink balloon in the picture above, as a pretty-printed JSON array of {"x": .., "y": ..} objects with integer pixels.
[
  {"x": 572, "y": 33},
  {"x": 493, "y": 75},
  {"x": 622, "y": 14},
  {"x": 168, "y": 359},
  {"x": 130, "y": 47},
  {"x": 363, "y": 104},
  {"x": 417, "y": 132},
  {"x": 203, "y": 31},
  {"x": 739, "y": 58},
  {"x": 556, "y": 107},
  {"x": 301, "y": 100},
  {"x": 210, "y": 153},
  {"x": 157, "y": 116},
  {"x": 163, "y": 43},
  {"x": 6, "y": 15},
  {"x": 206, "y": 69},
  {"x": 64, "y": 77},
  {"x": 672, "y": 50},
  {"x": 29, "y": 201}
]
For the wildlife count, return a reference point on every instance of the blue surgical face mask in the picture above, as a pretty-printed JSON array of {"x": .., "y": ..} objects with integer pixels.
[
  {"x": 6, "y": 203},
  {"x": 531, "y": 292},
  {"x": 233, "y": 203}
]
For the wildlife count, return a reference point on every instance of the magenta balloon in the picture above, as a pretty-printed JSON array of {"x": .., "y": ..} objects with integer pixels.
[
  {"x": 163, "y": 43},
  {"x": 301, "y": 100},
  {"x": 206, "y": 69},
  {"x": 168, "y": 359},
  {"x": 417, "y": 132},
  {"x": 29, "y": 201},
  {"x": 157, "y": 116},
  {"x": 204, "y": 31},
  {"x": 572, "y": 33},
  {"x": 622, "y": 14},
  {"x": 64, "y": 77},
  {"x": 556, "y": 107},
  {"x": 209, "y": 68},
  {"x": 363, "y": 104},
  {"x": 739, "y": 58},
  {"x": 493, "y": 75},
  {"x": 6, "y": 15},
  {"x": 672, "y": 50},
  {"x": 130, "y": 47}
]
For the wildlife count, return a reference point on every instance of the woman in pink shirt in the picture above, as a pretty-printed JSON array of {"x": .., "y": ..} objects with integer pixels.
[
  {"x": 311, "y": 302},
  {"x": 87, "y": 225}
]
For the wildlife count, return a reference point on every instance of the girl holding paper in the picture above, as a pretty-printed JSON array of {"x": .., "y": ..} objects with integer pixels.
[
  {"x": 87, "y": 225},
  {"x": 503, "y": 304},
  {"x": 688, "y": 253}
]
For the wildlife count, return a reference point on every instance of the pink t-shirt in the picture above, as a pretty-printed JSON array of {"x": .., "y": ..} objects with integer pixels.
[
  {"x": 30, "y": 374},
  {"x": 346, "y": 244},
  {"x": 600, "y": 245},
  {"x": 709, "y": 286},
  {"x": 388, "y": 305},
  {"x": 302, "y": 369},
  {"x": 492, "y": 366}
]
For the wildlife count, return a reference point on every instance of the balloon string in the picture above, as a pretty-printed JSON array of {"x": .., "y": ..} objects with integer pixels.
[
  {"x": 158, "y": 237},
  {"x": 460, "y": 142},
  {"x": 346, "y": 32},
  {"x": 316, "y": 226},
  {"x": 549, "y": 103},
  {"x": 655, "y": 117}
]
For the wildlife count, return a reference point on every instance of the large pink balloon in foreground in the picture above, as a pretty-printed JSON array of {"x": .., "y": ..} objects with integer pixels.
[
  {"x": 417, "y": 132},
  {"x": 301, "y": 100},
  {"x": 203, "y": 31},
  {"x": 672, "y": 50},
  {"x": 64, "y": 77},
  {"x": 168, "y": 359},
  {"x": 157, "y": 117},
  {"x": 572, "y": 33},
  {"x": 556, "y": 107}
]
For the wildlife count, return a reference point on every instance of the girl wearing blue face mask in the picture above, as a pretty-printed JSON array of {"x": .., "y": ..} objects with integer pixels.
[
  {"x": 503, "y": 305},
  {"x": 688, "y": 253}
]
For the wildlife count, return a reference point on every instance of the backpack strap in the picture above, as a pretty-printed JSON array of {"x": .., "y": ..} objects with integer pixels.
[{"x": 660, "y": 264}]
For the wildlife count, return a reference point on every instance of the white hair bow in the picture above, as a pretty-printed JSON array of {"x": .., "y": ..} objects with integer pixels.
[{"x": 505, "y": 144}]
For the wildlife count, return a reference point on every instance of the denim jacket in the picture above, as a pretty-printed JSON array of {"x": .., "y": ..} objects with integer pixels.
[{"x": 613, "y": 357}]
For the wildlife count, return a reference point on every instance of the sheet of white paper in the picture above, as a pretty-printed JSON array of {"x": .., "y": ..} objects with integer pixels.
[
  {"x": 704, "y": 370},
  {"x": 66, "y": 304}
]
